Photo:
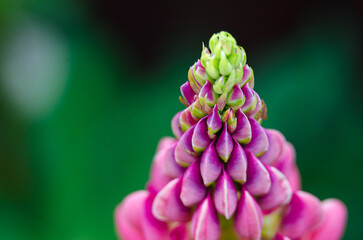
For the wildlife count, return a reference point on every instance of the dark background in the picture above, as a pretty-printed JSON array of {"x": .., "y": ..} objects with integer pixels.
[{"x": 87, "y": 89}]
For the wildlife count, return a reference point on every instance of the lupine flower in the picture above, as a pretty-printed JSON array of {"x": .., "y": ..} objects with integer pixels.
[{"x": 224, "y": 176}]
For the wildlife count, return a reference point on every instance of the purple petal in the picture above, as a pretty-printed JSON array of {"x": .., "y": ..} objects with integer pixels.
[
  {"x": 258, "y": 178},
  {"x": 280, "y": 192},
  {"x": 184, "y": 153},
  {"x": 200, "y": 139},
  {"x": 193, "y": 190},
  {"x": 243, "y": 132},
  {"x": 205, "y": 223},
  {"x": 302, "y": 214},
  {"x": 221, "y": 101},
  {"x": 167, "y": 205},
  {"x": 214, "y": 122},
  {"x": 186, "y": 120},
  {"x": 224, "y": 144},
  {"x": 210, "y": 165},
  {"x": 250, "y": 98},
  {"x": 187, "y": 92},
  {"x": 248, "y": 217},
  {"x": 235, "y": 97},
  {"x": 225, "y": 195},
  {"x": 259, "y": 142},
  {"x": 276, "y": 143},
  {"x": 175, "y": 126},
  {"x": 207, "y": 95},
  {"x": 237, "y": 164}
]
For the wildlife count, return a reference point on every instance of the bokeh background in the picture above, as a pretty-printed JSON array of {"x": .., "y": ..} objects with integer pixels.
[{"x": 87, "y": 89}]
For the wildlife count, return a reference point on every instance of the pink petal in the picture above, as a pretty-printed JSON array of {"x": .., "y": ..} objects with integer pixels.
[
  {"x": 281, "y": 237},
  {"x": 187, "y": 93},
  {"x": 170, "y": 167},
  {"x": 250, "y": 98},
  {"x": 207, "y": 95},
  {"x": 153, "y": 229},
  {"x": 259, "y": 142},
  {"x": 280, "y": 192},
  {"x": 184, "y": 152},
  {"x": 214, "y": 122},
  {"x": 225, "y": 195},
  {"x": 276, "y": 143},
  {"x": 175, "y": 126},
  {"x": 128, "y": 216},
  {"x": 258, "y": 178},
  {"x": 243, "y": 132},
  {"x": 193, "y": 190},
  {"x": 237, "y": 164},
  {"x": 205, "y": 223},
  {"x": 235, "y": 97},
  {"x": 224, "y": 144},
  {"x": 180, "y": 233},
  {"x": 333, "y": 223},
  {"x": 186, "y": 119},
  {"x": 286, "y": 164},
  {"x": 248, "y": 217},
  {"x": 200, "y": 139},
  {"x": 167, "y": 205},
  {"x": 302, "y": 214},
  {"x": 210, "y": 165}
]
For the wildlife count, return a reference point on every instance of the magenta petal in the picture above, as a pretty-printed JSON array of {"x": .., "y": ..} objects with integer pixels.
[
  {"x": 187, "y": 92},
  {"x": 224, "y": 144},
  {"x": 153, "y": 229},
  {"x": 302, "y": 214},
  {"x": 248, "y": 217},
  {"x": 280, "y": 192},
  {"x": 175, "y": 126},
  {"x": 258, "y": 178},
  {"x": 186, "y": 119},
  {"x": 259, "y": 143},
  {"x": 225, "y": 195},
  {"x": 281, "y": 237},
  {"x": 193, "y": 190},
  {"x": 237, "y": 164},
  {"x": 243, "y": 132},
  {"x": 128, "y": 216},
  {"x": 250, "y": 98},
  {"x": 276, "y": 143},
  {"x": 158, "y": 175},
  {"x": 179, "y": 233},
  {"x": 184, "y": 152},
  {"x": 210, "y": 165},
  {"x": 247, "y": 76},
  {"x": 167, "y": 205},
  {"x": 333, "y": 223},
  {"x": 235, "y": 97},
  {"x": 170, "y": 167},
  {"x": 286, "y": 164},
  {"x": 214, "y": 122},
  {"x": 200, "y": 139},
  {"x": 207, "y": 95},
  {"x": 254, "y": 112},
  {"x": 205, "y": 223}
]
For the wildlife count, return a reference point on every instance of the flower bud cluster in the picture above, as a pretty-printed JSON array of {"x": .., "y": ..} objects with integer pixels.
[{"x": 224, "y": 176}]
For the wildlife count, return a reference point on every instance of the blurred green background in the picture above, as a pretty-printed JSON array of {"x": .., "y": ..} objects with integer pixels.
[{"x": 87, "y": 89}]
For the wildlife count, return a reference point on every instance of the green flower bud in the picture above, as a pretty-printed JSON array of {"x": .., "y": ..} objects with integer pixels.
[
  {"x": 218, "y": 85},
  {"x": 225, "y": 68},
  {"x": 230, "y": 82},
  {"x": 244, "y": 57},
  {"x": 239, "y": 75},
  {"x": 212, "y": 67},
  {"x": 236, "y": 57}
]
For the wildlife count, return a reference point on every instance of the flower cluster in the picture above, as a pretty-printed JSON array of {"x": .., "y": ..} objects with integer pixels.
[{"x": 224, "y": 176}]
